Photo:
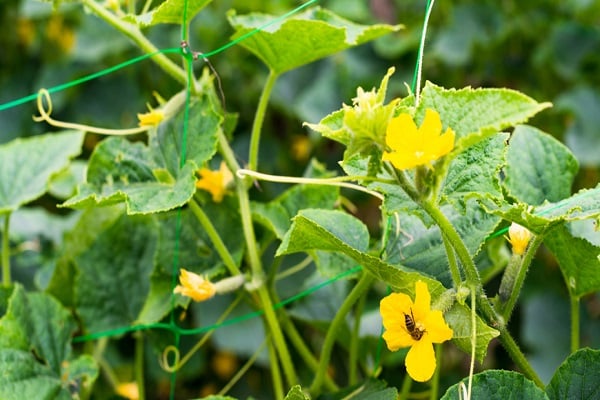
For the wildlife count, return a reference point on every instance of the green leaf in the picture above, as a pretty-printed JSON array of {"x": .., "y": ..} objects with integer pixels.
[
  {"x": 64, "y": 184},
  {"x": 585, "y": 204},
  {"x": 296, "y": 393},
  {"x": 539, "y": 168},
  {"x": 204, "y": 121},
  {"x": 303, "y": 38},
  {"x": 169, "y": 12},
  {"x": 476, "y": 170},
  {"x": 27, "y": 165},
  {"x": 35, "y": 348},
  {"x": 459, "y": 319},
  {"x": 577, "y": 377},
  {"x": 371, "y": 389},
  {"x": 497, "y": 385},
  {"x": 414, "y": 244},
  {"x": 579, "y": 260},
  {"x": 23, "y": 377},
  {"x": 582, "y": 130},
  {"x": 121, "y": 171},
  {"x": 329, "y": 230},
  {"x": 475, "y": 114},
  {"x": 114, "y": 271}
]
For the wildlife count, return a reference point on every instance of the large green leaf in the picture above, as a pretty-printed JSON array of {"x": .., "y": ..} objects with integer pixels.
[
  {"x": 539, "y": 168},
  {"x": 371, "y": 389},
  {"x": 577, "y": 377},
  {"x": 474, "y": 114},
  {"x": 114, "y": 273},
  {"x": 27, "y": 165},
  {"x": 498, "y": 385},
  {"x": 122, "y": 171},
  {"x": 304, "y": 38},
  {"x": 149, "y": 178},
  {"x": 169, "y": 12},
  {"x": 330, "y": 230},
  {"x": 35, "y": 351},
  {"x": 579, "y": 260},
  {"x": 23, "y": 377}
]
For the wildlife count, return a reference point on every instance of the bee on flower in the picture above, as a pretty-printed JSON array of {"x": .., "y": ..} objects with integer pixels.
[{"x": 415, "y": 325}]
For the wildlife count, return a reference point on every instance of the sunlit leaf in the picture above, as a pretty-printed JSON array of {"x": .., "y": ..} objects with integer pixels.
[{"x": 497, "y": 385}]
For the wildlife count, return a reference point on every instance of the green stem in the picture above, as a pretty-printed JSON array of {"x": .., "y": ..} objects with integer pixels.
[
  {"x": 520, "y": 279},
  {"x": 454, "y": 271},
  {"x": 275, "y": 373},
  {"x": 6, "y": 251},
  {"x": 354, "y": 340},
  {"x": 362, "y": 286},
  {"x": 406, "y": 386},
  {"x": 139, "y": 364},
  {"x": 435, "y": 380},
  {"x": 134, "y": 33},
  {"x": 574, "y": 324},
  {"x": 518, "y": 357},
  {"x": 258, "y": 120},
  {"x": 303, "y": 350},
  {"x": 215, "y": 238}
]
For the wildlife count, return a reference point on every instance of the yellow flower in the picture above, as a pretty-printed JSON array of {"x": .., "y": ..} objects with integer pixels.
[
  {"x": 194, "y": 286},
  {"x": 128, "y": 390},
  {"x": 215, "y": 182},
  {"x": 152, "y": 118},
  {"x": 518, "y": 237},
  {"x": 412, "y": 146},
  {"x": 414, "y": 325}
]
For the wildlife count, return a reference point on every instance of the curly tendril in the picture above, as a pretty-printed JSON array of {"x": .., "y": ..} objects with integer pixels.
[{"x": 44, "y": 96}]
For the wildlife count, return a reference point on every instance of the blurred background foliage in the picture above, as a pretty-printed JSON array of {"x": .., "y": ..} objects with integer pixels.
[{"x": 548, "y": 49}]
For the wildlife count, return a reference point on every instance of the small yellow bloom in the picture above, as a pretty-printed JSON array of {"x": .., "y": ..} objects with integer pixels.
[
  {"x": 412, "y": 146},
  {"x": 518, "y": 237},
  {"x": 215, "y": 182},
  {"x": 414, "y": 325},
  {"x": 152, "y": 118},
  {"x": 128, "y": 390},
  {"x": 194, "y": 286}
]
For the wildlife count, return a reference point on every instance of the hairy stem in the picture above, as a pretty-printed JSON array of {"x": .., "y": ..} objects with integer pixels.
[
  {"x": 139, "y": 364},
  {"x": 574, "y": 323}
]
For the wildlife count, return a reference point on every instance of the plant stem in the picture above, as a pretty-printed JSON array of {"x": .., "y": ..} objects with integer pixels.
[
  {"x": 275, "y": 373},
  {"x": 362, "y": 286},
  {"x": 520, "y": 279},
  {"x": 406, "y": 386},
  {"x": 215, "y": 238},
  {"x": 574, "y": 323},
  {"x": 435, "y": 381},
  {"x": 258, "y": 120},
  {"x": 6, "y": 281},
  {"x": 303, "y": 350},
  {"x": 134, "y": 33},
  {"x": 354, "y": 340},
  {"x": 139, "y": 364},
  {"x": 454, "y": 271},
  {"x": 518, "y": 357}
]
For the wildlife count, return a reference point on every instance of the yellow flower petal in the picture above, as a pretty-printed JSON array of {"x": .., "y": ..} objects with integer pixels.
[
  {"x": 411, "y": 146},
  {"x": 215, "y": 182},
  {"x": 420, "y": 361},
  {"x": 422, "y": 301},
  {"x": 518, "y": 237},
  {"x": 128, "y": 390},
  {"x": 194, "y": 286},
  {"x": 392, "y": 309},
  {"x": 152, "y": 118},
  {"x": 437, "y": 329}
]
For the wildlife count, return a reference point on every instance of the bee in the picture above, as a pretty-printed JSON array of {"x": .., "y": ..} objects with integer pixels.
[{"x": 409, "y": 321}]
